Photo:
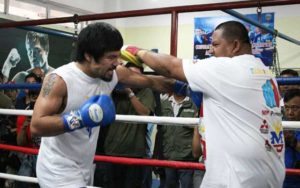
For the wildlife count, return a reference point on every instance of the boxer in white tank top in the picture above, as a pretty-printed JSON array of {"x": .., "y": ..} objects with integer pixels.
[{"x": 73, "y": 104}]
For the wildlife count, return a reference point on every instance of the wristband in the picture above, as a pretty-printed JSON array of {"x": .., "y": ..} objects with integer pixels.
[{"x": 131, "y": 94}]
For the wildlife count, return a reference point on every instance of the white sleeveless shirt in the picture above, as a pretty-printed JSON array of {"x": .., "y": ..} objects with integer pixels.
[{"x": 66, "y": 160}]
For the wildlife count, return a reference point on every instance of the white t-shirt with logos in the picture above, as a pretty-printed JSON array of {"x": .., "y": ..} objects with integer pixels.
[
  {"x": 242, "y": 118},
  {"x": 66, "y": 160}
]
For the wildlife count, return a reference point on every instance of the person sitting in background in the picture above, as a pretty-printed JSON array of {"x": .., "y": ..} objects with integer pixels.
[{"x": 292, "y": 137}]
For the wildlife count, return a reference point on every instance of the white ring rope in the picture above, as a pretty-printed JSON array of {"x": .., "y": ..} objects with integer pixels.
[
  {"x": 18, "y": 178},
  {"x": 151, "y": 119},
  {"x": 25, "y": 179}
]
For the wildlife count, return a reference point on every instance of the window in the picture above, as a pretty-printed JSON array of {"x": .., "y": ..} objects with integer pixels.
[
  {"x": 58, "y": 14},
  {"x": 2, "y": 6},
  {"x": 26, "y": 10}
]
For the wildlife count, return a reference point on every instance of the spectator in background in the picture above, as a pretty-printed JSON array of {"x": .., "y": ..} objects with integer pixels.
[
  {"x": 198, "y": 146},
  {"x": 37, "y": 46},
  {"x": 39, "y": 72},
  {"x": 128, "y": 139},
  {"x": 287, "y": 73},
  {"x": 12, "y": 94},
  {"x": 284, "y": 88},
  {"x": 292, "y": 137},
  {"x": 23, "y": 100},
  {"x": 9, "y": 162},
  {"x": 24, "y": 138},
  {"x": 177, "y": 140}
]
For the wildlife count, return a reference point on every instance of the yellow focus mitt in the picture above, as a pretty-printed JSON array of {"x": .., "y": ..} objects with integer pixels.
[{"x": 128, "y": 53}]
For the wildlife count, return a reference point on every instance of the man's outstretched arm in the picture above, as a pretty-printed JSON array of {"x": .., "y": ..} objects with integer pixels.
[
  {"x": 134, "y": 80},
  {"x": 163, "y": 64}
]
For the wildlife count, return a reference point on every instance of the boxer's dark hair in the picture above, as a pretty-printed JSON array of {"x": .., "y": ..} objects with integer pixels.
[
  {"x": 234, "y": 30},
  {"x": 97, "y": 39}
]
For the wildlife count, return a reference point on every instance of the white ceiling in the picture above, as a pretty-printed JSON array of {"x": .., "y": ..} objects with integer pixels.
[
  {"x": 100, "y": 6},
  {"x": 104, "y": 6}
]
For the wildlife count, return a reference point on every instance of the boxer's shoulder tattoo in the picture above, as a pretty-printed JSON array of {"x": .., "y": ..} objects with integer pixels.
[{"x": 48, "y": 85}]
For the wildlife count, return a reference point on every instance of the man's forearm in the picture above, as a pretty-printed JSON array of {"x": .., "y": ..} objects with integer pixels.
[
  {"x": 162, "y": 84},
  {"x": 160, "y": 63},
  {"x": 166, "y": 65}
]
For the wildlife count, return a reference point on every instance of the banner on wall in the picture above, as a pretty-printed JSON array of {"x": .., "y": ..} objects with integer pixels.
[
  {"x": 22, "y": 50},
  {"x": 261, "y": 40}
]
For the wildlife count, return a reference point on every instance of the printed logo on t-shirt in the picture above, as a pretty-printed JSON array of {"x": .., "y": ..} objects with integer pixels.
[
  {"x": 261, "y": 72},
  {"x": 277, "y": 137},
  {"x": 271, "y": 94},
  {"x": 264, "y": 128},
  {"x": 271, "y": 127}
]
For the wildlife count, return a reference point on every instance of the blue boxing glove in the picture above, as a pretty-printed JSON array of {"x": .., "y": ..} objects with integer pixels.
[
  {"x": 97, "y": 110},
  {"x": 182, "y": 88}
]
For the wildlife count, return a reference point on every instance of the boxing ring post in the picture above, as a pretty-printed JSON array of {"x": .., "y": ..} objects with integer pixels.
[{"x": 174, "y": 33}]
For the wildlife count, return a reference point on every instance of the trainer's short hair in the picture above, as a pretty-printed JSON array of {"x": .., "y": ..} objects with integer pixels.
[{"x": 232, "y": 30}]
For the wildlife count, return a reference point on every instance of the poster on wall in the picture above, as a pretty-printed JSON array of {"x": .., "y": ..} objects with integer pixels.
[
  {"x": 21, "y": 51},
  {"x": 261, "y": 40}
]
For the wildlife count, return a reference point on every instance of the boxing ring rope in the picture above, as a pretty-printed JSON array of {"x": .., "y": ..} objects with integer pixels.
[
  {"x": 181, "y": 121},
  {"x": 156, "y": 11},
  {"x": 19, "y": 178},
  {"x": 280, "y": 81},
  {"x": 118, "y": 160}
]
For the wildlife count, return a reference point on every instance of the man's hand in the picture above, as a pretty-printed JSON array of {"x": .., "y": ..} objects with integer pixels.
[{"x": 98, "y": 110}]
